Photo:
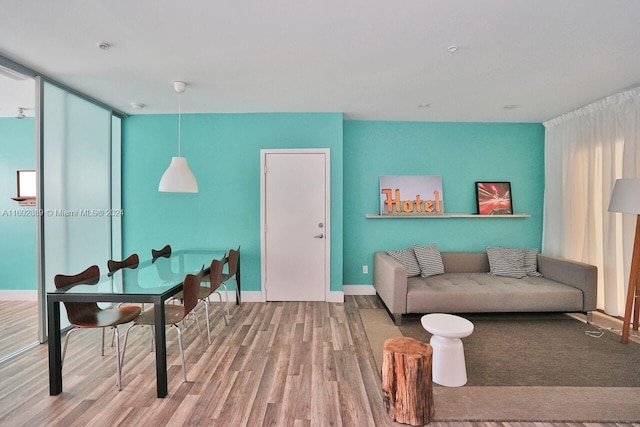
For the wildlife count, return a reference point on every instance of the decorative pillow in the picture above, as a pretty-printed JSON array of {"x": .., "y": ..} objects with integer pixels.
[
  {"x": 429, "y": 260},
  {"x": 407, "y": 258},
  {"x": 506, "y": 262},
  {"x": 531, "y": 262}
]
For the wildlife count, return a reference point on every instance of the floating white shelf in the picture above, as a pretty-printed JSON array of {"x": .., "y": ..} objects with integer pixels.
[{"x": 454, "y": 215}]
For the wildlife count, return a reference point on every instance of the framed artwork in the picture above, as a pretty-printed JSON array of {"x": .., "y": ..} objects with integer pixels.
[{"x": 494, "y": 198}]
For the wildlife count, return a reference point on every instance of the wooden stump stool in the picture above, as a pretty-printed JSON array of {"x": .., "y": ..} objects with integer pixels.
[{"x": 407, "y": 390}]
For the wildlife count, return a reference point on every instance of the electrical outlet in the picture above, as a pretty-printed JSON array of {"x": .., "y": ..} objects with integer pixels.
[{"x": 365, "y": 269}]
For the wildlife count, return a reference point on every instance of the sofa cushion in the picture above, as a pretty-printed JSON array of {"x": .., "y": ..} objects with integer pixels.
[
  {"x": 429, "y": 260},
  {"x": 482, "y": 292},
  {"x": 506, "y": 262},
  {"x": 407, "y": 258}
]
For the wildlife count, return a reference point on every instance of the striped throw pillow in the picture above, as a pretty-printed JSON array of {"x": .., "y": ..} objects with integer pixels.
[
  {"x": 429, "y": 260},
  {"x": 507, "y": 262},
  {"x": 531, "y": 262},
  {"x": 407, "y": 258}
]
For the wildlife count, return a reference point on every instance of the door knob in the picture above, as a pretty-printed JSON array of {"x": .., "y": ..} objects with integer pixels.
[{"x": 318, "y": 236}]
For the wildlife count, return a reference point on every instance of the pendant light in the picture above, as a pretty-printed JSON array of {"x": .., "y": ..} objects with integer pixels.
[{"x": 178, "y": 178}]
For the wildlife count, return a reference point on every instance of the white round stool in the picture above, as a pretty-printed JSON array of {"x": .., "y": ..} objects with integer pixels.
[{"x": 449, "y": 368}]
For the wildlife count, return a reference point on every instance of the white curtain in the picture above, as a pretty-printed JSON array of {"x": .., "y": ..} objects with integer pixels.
[{"x": 585, "y": 152}]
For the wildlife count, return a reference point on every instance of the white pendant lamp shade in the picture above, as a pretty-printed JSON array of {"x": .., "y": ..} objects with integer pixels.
[{"x": 178, "y": 178}]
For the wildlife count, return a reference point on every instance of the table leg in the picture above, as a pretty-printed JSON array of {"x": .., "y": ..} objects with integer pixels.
[
  {"x": 161, "y": 349},
  {"x": 55, "y": 357},
  {"x": 238, "y": 288}
]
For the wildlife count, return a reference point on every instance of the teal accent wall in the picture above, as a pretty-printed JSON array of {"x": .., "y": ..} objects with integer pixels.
[
  {"x": 18, "y": 226},
  {"x": 223, "y": 151},
  {"x": 462, "y": 153}
]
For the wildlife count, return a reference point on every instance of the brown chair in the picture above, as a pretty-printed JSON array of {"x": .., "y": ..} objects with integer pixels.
[
  {"x": 173, "y": 315},
  {"x": 164, "y": 252},
  {"x": 87, "y": 315},
  {"x": 214, "y": 280},
  {"x": 164, "y": 267},
  {"x": 131, "y": 262},
  {"x": 233, "y": 263}
]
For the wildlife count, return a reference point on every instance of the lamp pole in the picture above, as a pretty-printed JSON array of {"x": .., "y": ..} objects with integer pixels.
[{"x": 633, "y": 292}]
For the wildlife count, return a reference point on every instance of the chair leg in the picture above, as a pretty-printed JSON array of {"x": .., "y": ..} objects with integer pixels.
[
  {"x": 102, "y": 344},
  {"x": 226, "y": 294},
  {"x": 204, "y": 348},
  {"x": 152, "y": 338},
  {"x": 118, "y": 361},
  {"x": 226, "y": 316},
  {"x": 124, "y": 346},
  {"x": 206, "y": 311},
  {"x": 66, "y": 341},
  {"x": 184, "y": 369}
]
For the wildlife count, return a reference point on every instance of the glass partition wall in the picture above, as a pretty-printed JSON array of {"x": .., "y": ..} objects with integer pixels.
[
  {"x": 75, "y": 165},
  {"x": 18, "y": 224}
]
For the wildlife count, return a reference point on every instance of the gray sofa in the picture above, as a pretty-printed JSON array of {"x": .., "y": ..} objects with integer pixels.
[{"x": 467, "y": 287}]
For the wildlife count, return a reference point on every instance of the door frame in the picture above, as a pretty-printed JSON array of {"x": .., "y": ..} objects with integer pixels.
[{"x": 327, "y": 224}]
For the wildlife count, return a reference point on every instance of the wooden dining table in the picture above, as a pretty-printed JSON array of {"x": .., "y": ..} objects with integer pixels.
[{"x": 153, "y": 281}]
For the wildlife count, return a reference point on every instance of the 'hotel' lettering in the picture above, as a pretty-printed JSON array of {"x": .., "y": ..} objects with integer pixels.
[{"x": 407, "y": 206}]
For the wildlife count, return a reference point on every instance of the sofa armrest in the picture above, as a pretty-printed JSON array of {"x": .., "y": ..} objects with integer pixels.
[
  {"x": 390, "y": 282},
  {"x": 573, "y": 273}
]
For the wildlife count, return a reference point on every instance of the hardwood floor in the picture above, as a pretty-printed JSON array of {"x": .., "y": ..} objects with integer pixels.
[
  {"x": 18, "y": 325},
  {"x": 276, "y": 364}
]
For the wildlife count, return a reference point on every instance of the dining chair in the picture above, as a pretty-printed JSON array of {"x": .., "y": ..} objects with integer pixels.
[
  {"x": 232, "y": 261},
  {"x": 173, "y": 315},
  {"x": 87, "y": 315},
  {"x": 213, "y": 281},
  {"x": 164, "y": 266},
  {"x": 164, "y": 252},
  {"x": 130, "y": 262}
]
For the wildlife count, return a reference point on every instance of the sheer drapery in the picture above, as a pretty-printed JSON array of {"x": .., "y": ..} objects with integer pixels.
[{"x": 585, "y": 152}]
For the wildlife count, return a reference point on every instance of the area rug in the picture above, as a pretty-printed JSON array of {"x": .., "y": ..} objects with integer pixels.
[
  {"x": 541, "y": 349},
  {"x": 540, "y": 368}
]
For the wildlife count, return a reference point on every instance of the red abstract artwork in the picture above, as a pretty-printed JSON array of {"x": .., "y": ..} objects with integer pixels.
[{"x": 494, "y": 198}]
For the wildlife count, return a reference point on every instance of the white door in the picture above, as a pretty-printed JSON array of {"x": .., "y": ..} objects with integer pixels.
[{"x": 295, "y": 225}]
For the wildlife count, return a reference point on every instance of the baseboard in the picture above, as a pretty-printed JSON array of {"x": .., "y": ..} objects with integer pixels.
[
  {"x": 247, "y": 296},
  {"x": 359, "y": 290},
  {"x": 335, "y": 296},
  {"x": 19, "y": 295}
]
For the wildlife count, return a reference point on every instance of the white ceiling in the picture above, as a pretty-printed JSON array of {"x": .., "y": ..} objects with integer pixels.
[{"x": 371, "y": 59}]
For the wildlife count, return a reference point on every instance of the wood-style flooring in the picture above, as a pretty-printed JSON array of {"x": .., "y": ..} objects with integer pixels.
[
  {"x": 276, "y": 364},
  {"x": 18, "y": 325}
]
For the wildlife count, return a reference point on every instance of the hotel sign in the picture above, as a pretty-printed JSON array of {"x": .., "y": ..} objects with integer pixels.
[{"x": 411, "y": 195}]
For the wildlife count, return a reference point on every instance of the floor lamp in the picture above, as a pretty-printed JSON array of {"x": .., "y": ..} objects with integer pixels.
[{"x": 626, "y": 199}]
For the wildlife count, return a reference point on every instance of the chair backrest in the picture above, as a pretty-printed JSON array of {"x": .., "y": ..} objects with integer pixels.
[
  {"x": 232, "y": 259},
  {"x": 190, "y": 287},
  {"x": 131, "y": 262},
  {"x": 78, "y": 311},
  {"x": 164, "y": 252},
  {"x": 90, "y": 276},
  {"x": 215, "y": 274}
]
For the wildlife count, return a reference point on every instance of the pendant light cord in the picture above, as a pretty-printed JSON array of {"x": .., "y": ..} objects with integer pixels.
[{"x": 179, "y": 121}]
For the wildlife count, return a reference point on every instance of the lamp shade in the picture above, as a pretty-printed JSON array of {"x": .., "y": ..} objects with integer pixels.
[
  {"x": 178, "y": 178},
  {"x": 626, "y": 196}
]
